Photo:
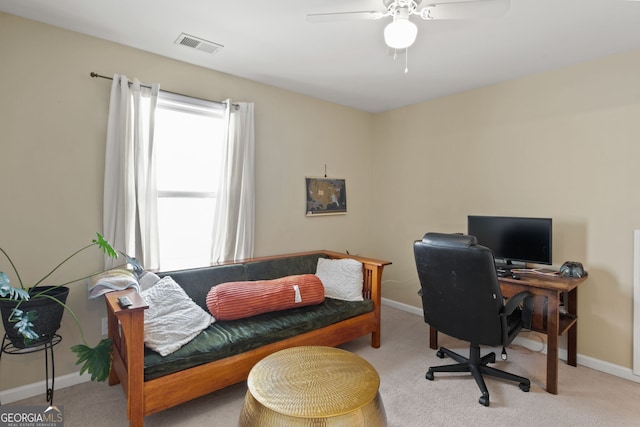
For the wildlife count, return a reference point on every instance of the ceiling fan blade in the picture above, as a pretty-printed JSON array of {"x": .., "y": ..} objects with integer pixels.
[
  {"x": 481, "y": 9},
  {"x": 344, "y": 16}
]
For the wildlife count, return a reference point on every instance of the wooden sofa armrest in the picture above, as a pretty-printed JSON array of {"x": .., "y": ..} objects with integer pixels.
[
  {"x": 126, "y": 329},
  {"x": 136, "y": 299},
  {"x": 364, "y": 260},
  {"x": 371, "y": 286}
]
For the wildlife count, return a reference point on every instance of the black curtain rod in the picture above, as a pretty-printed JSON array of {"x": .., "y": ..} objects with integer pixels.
[{"x": 96, "y": 75}]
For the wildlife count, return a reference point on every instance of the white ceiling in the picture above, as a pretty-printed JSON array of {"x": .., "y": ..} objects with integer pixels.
[{"x": 347, "y": 62}]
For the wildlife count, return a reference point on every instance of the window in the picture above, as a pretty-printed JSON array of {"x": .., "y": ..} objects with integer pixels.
[{"x": 188, "y": 138}]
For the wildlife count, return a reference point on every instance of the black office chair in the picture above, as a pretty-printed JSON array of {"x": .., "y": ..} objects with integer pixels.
[{"x": 461, "y": 297}]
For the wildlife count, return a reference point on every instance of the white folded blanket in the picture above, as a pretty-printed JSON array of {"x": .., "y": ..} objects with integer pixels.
[{"x": 111, "y": 280}]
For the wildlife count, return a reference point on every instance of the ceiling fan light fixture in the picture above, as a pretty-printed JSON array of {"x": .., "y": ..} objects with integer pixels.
[{"x": 401, "y": 33}]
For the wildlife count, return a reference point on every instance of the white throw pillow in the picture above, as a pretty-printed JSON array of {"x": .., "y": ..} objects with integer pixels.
[
  {"x": 172, "y": 319},
  {"x": 342, "y": 278},
  {"x": 147, "y": 279}
]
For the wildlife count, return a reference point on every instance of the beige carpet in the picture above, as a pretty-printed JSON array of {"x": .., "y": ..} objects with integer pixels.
[{"x": 586, "y": 397}]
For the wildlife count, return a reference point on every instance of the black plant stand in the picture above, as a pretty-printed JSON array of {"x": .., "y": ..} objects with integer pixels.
[{"x": 47, "y": 347}]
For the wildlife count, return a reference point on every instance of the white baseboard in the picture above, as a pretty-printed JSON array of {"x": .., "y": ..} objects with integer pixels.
[
  {"x": 36, "y": 389},
  {"x": 402, "y": 306},
  {"x": 589, "y": 362}
]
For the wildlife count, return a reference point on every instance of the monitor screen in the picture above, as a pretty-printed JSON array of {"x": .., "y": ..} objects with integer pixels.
[{"x": 512, "y": 238}]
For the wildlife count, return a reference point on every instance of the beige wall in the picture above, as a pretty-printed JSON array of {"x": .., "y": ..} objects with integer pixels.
[
  {"x": 563, "y": 144},
  {"x": 560, "y": 144},
  {"x": 52, "y": 135}
]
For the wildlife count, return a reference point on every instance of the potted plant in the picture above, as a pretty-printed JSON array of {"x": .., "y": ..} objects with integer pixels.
[{"x": 32, "y": 314}]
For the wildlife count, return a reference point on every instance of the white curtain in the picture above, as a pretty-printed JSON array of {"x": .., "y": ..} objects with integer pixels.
[
  {"x": 130, "y": 193},
  {"x": 234, "y": 215}
]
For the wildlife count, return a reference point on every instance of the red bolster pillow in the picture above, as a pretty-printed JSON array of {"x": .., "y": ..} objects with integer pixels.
[{"x": 237, "y": 300}]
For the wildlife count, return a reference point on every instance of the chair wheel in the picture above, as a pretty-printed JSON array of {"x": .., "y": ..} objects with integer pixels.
[
  {"x": 440, "y": 354},
  {"x": 484, "y": 400},
  {"x": 429, "y": 375},
  {"x": 524, "y": 387},
  {"x": 493, "y": 358}
]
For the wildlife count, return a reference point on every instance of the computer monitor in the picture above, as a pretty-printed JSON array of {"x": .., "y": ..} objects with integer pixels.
[{"x": 527, "y": 240}]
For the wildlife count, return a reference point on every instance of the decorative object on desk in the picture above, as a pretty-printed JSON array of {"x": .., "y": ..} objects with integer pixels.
[
  {"x": 572, "y": 269},
  {"x": 27, "y": 325},
  {"x": 326, "y": 196}
]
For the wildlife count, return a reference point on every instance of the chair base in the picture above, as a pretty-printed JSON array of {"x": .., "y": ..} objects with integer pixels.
[{"x": 477, "y": 366}]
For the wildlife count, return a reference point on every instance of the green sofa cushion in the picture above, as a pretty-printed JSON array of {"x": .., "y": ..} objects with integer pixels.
[{"x": 228, "y": 338}]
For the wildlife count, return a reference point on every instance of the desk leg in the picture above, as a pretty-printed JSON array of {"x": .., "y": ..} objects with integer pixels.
[
  {"x": 572, "y": 334},
  {"x": 433, "y": 337},
  {"x": 553, "y": 323}
]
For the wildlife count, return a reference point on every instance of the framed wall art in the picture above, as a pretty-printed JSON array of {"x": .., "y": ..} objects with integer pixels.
[{"x": 326, "y": 196}]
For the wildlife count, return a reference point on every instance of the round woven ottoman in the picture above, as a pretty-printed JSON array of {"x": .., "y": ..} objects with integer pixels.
[{"x": 313, "y": 386}]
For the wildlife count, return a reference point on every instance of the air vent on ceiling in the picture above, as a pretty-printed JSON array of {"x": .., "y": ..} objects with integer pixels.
[{"x": 198, "y": 43}]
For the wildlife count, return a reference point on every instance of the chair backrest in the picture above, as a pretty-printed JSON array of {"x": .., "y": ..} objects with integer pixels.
[{"x": 461, "y": 295}]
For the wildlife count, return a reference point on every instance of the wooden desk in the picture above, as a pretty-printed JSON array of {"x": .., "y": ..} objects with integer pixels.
[{"x": 547, "y": 318}]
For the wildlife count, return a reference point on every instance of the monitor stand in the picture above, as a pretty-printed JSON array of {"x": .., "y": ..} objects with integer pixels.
[{"x": 504, "y": 267}]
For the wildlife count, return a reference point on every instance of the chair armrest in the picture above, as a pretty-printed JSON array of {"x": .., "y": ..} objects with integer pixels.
[{"x": 526, "y": 299}]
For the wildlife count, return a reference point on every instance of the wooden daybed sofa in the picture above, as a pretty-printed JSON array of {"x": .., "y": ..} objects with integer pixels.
[{"x": 150, "y": 386}]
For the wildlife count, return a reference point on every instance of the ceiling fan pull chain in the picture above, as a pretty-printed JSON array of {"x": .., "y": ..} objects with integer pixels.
[{"x": 406, "y": 61}]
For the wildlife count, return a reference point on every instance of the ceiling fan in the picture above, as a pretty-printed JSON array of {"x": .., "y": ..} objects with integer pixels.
[{"x": 402, "y": 32}]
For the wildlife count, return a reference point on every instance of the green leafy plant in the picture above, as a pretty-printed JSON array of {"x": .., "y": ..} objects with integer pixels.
[{"x": 94, "y": 360}]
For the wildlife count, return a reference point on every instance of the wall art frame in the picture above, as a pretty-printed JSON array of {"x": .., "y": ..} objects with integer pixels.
[{"x": 325, "y": 196}]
